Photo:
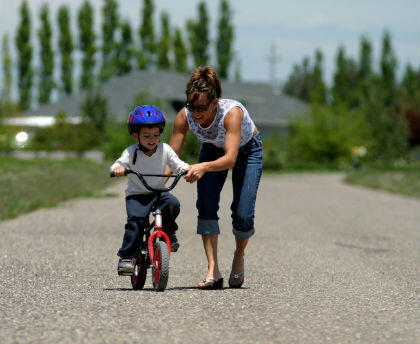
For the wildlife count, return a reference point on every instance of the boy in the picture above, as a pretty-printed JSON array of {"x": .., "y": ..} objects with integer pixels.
[{"x": 149, "y": 156}]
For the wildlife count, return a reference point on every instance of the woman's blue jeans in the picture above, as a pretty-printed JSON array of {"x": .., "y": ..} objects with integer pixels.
[{"x": 246, "y": 176}]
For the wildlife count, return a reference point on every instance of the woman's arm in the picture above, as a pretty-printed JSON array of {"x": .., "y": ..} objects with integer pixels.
[
  {"x": 178, "y": 135},
  {"x": 180, "y": 132},
  {"x": 232, "y": 125}
]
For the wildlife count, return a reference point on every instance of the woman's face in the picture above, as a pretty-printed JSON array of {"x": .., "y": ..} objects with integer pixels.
[{"x": 202, "y": 111}]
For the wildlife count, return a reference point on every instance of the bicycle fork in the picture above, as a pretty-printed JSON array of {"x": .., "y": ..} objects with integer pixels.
[{"x": 158, "y": 233}]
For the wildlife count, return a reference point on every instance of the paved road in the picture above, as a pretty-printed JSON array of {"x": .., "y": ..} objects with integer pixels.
[{"x": 329, "y": 263}]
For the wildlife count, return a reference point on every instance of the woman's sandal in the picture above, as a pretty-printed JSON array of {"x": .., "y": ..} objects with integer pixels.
[
  {"x": 211, "y": 283},
  {"x": 236, "y": 280}
]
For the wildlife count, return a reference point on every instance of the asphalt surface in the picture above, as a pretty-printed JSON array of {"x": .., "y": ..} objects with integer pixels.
[{"x": 329, "y": 263}]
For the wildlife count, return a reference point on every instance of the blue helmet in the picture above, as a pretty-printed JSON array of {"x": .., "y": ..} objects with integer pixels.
[{"x": 145, "y": 116}]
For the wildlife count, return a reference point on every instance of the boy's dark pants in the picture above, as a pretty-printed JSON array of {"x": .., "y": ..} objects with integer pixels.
[{"x": 138, "y": 209}]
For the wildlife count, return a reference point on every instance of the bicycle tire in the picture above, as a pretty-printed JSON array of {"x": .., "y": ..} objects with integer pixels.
[
  {"x": 160, "y": 268},
  {"x": 140, "y": 273}
]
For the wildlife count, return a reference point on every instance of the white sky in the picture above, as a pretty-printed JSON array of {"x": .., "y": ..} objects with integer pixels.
[{"x": 296, "y": 27}]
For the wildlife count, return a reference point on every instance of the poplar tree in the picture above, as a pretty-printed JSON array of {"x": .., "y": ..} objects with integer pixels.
[
  {"x": 237, "y": 73},
  {"x": 365, "y": 59},
  {"x": 163, "y": 61},
  {"x": 125, "y": 50},
  {"x": 147, "y": 36},
  {"x": 365, "y": 70},
  {"x": 224, "y": 40},
  {"x": 318, "y": 92},
  {"x": 66, "y": 47},
  {"x": 46, "y": 81},
  {"x": 298, "y": 83},
  {"x": 388, "y": 67},
  {"x": 198, "y": 32},
  {"x": 409, "y": 90},
  {"x": 24, "y": 49},
  {"x": 344, "y": 89},
  {"x": 109, "y": 26},
  {"x": 180, "y": 52},
  {"x": 7, "y": 70},
  {"x": 87, "y": 45}
]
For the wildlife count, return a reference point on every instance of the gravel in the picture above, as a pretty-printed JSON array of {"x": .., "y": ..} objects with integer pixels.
[{"x": 329, "y": 263}]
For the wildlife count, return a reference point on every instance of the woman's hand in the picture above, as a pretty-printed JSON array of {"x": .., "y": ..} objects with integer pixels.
[
  {"x": 195, "y": 172},
  {"x": 119, "y": 171}
]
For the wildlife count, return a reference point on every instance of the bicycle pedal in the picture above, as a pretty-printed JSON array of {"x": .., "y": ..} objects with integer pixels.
[{"x": 174, "y": 247}]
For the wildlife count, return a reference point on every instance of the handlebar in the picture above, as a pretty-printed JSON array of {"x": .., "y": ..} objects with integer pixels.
[{"x": 147, "y": 186}]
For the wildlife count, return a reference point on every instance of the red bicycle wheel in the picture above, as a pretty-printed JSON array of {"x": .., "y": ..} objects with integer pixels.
[{"x": 160, "y": 268}]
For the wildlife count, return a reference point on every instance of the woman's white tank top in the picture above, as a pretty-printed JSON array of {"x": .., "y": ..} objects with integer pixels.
[{"x": 215, "y": 133}]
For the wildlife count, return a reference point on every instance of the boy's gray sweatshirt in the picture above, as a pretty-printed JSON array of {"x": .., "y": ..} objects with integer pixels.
[{"x": 154, "y": 164}]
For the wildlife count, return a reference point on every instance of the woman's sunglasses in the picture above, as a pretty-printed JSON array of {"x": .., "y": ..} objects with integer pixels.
[{"x": 199, "y": 108}]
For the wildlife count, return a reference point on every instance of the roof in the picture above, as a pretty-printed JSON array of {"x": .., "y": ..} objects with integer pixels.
[{"x": 264, "y": 106}]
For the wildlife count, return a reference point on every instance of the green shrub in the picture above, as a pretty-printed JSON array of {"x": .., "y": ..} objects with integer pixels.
[
  {"x": 274, "y": 153},
  {"x": 63, "y": 135},
  {"x": 116, "y": 139},
  {"x": 191, "y": 149},
  {"x": 325, "y": 136},
  {"x": 7, "y": 138},
  {"x": 387, "y": 130}
]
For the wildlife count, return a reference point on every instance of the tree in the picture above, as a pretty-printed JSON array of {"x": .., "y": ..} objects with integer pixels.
[
  {"x": 388, "y": 131},
  {"x": 345, "y": 80},
  {"x": 46, "y": 83},
  {"x": 7, "y": 70},
  {"x": 388, "y": 67},
  {"x": 198, "y": 33},
  {"x": 147, "y": 36},
  {"x": 109, "y": 26},
  {"x": 365, "y": 70},
  {"x": 238, "y": 77},
  {"x": 87, "y": 45},
  {"x": 163, "y": 61},
  {"x": 24, "y": 48},
  {"x": 297, "y": 84},
  {"x": 66, "y": 47},
  {"x": 409, "y": 102},
  {"x": 318, "y": 92},
  {"x": 94, "y": 110},
  {"x": 409, "y": 91},
  {"x": 180, "y": 52},
  {"x": 365, "y": 59},
  {"x": 224, "y": 40},
  {"x": 125, "y": 50}
]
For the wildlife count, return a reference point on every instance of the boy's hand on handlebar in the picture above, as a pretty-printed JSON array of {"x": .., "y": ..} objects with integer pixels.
[{"x": 119, "y": 171}]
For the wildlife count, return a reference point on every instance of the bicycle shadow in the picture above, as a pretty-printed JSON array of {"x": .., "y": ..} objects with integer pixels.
[{"x": 168, "y": 289}]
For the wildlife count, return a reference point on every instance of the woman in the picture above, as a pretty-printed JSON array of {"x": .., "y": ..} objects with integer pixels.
[{"x": 229, "y": 140}]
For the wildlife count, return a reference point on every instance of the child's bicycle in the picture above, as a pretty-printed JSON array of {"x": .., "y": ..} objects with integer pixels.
[{"x": 155, "y": 248}]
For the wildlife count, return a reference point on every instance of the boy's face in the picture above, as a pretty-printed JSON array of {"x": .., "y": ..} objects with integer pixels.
[{"x": 149, "y": 137}]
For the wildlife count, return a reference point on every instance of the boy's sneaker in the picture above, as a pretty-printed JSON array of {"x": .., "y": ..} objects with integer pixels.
[
  {"x": 125, "y": 267},
  {"x": 174, "y": 242}
]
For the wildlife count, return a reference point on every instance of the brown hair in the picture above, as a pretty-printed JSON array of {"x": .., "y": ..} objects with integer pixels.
[{"x": 204, "y": 80}]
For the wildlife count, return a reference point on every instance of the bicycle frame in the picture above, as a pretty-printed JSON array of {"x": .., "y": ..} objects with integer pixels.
[
  {"x": 157, "y": 223},
  {"x": 157, "y": 232}
]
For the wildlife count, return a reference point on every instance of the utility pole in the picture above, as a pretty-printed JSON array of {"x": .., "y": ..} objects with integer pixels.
[{"x": 273, "y": 59}]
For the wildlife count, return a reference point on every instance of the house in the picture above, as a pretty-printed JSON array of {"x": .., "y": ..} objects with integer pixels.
[{"x": 271, "y": 111}]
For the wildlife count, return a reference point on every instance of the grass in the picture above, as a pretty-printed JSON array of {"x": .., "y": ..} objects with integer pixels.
[
  {"x": 27, "y": 185},
  {"x": 400, "y": 180}
]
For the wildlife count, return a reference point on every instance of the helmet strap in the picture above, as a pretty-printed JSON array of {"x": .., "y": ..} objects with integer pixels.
[{"x": 140, "y": 147}]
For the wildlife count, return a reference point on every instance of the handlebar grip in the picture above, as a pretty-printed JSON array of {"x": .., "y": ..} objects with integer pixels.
[{"x": 126, "y": 171}]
